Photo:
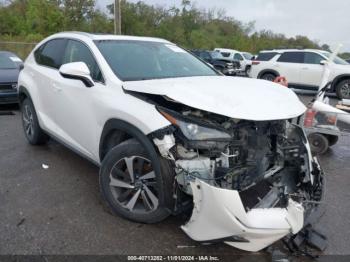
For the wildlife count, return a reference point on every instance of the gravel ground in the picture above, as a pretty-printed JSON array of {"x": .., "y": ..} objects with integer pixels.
[{"x": 58, "y": 211}]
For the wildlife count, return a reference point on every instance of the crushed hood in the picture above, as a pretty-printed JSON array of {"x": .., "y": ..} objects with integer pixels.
[{"x": 240, "y": 98}]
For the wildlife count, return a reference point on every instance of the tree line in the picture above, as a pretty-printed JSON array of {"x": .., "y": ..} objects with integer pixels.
[{"x": 187, "y": 25}]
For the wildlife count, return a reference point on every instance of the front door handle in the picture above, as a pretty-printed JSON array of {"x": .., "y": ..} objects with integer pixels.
[{"x": 56, "y": 87}]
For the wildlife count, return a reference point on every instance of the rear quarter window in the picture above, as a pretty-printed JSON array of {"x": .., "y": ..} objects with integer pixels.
[{"x": 266, "y": 56}]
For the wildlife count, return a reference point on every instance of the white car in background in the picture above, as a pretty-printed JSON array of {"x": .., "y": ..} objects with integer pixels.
[
  {"x": 303, "y": 69},
  {"x": 244, "y": 58},
  {"x": 167, "y": 130}
]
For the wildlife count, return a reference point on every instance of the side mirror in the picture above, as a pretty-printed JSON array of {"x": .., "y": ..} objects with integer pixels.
[
  {"x": 323, "y": 62},
  {"x": 77, "y": 70}
]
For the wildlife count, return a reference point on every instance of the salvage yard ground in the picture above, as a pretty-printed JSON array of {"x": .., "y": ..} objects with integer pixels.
[{"x": 56, "y": 209}]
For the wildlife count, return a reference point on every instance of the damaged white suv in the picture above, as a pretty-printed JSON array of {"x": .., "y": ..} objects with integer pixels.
[{"x": 170, "y": 133}]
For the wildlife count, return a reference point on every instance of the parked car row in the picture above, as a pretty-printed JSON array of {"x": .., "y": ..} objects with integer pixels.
[
  {"x": 303, "y": 69},
  {"x": 220, "y": 63}
]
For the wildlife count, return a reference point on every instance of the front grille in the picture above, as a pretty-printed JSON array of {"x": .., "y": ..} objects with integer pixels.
[{"x": 7, "y": 86}]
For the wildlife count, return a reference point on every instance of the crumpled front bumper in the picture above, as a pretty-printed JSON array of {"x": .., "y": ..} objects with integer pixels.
[{"x": 219, "y": 215}]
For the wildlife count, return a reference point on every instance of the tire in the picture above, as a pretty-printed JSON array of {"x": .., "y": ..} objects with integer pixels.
[
  {"x": 343, "y": 89},
  {"x": 247, "y": 70},
  {"x": 34, "y": 134},
  {"x": 318, "y": 143},
  {"x": 332, "y": 140},
  {"x": 268, "y": 76},
  {"x": 141, "y": 195}
]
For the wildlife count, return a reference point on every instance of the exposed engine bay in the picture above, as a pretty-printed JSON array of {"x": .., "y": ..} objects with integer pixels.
[
  {"x": 266, "y": 159},
  {"x": 264, "y": 169}
]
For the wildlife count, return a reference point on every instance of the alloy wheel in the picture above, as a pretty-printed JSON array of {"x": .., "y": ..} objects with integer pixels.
[
  {"x": 133, "y": 184},
  {"x": 28, "y": 121},
  {"x": 345, "y": 90}
]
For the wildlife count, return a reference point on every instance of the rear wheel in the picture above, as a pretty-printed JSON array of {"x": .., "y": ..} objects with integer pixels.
[
  {"x": 319, "y": 143},
  {"x": 343, "y": 89},
  {"x": 34, "y": 134},
  {"x": 130, "y": 185},
  {"x": 268, "y": 76}
]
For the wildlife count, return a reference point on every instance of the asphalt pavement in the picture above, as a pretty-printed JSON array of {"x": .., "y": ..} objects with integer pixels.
[{"x": 50, "y": 204}]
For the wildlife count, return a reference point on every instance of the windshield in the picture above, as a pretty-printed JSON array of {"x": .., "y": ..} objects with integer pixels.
[
  {"x": 248, "y": 56},
  {"x": 142, "y": 60},
  {"x": 6, "y": 62},
  {"x": 216, "y": 55},
  {"x": 337, "y": 59}
]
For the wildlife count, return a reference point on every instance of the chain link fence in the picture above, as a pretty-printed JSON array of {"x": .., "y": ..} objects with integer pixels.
[{"x": 22, "y": 49}]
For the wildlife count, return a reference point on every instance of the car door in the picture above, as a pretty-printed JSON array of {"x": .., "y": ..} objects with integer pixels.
[
  {"x": 289, "y": 65},
  {"x": 312, "y": 70},
  {"x": 76, "y": 104},
  {"x": 239, "y": 57},
  {"x": 48, "y": 59}
]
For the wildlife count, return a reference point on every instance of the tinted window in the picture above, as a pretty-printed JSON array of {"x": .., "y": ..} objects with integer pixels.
[
  {"x": 143, "y": 60},
  {"x": 51, "y": 53},
  {"x": 238, "y": 57},
  {"x": 78, "y": 52},
  {"x": 205, "y": 56},
  {"x": 266, "y": 56},
  {"x": 312, "y": 58},
  {"x": 291, "y": 57}
]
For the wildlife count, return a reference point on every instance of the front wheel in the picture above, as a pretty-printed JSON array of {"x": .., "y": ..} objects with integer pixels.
[
  {"x": 34, "y": 134},
  {"x": 343, "y": 89},
  {"x": 130, "y": 185}
]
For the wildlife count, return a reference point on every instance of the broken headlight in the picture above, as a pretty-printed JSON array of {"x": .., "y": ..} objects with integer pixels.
[{"x": 194, "y": 131}]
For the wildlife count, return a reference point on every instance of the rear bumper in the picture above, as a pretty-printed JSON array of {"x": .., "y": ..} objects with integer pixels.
[
  {"x": 219, "y": 214},
  {"x": 8, "y": 97}
]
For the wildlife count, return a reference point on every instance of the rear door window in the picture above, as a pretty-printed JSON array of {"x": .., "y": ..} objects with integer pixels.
[
  {"x": 51, "y": 53},
  {"x": 291, "y": 57}
]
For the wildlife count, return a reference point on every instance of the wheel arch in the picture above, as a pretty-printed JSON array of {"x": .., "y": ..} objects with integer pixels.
[
  {"x": 337, "y": 80},
  {"x": 261, "y": 73},
  {"x": 116, "y": 131},
  {"x": 23, "y": 94}
]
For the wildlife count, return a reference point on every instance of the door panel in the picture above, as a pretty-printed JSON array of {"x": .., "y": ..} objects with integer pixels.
[
  {"x": 76, "y": 104},
  {"x": 289, "y": 65},
  {"x": 312, "y": 70}
]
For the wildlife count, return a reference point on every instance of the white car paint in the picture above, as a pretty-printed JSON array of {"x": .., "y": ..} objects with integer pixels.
[
  {"x": 239, "y": 98},
  {"x": 221, "y": 213},
  {"x": 76, "y": 115},
  {"x": 302, "y": 74}
]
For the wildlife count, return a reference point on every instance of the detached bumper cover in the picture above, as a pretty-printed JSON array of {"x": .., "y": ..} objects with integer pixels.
[{"x": 219, "y": 214}]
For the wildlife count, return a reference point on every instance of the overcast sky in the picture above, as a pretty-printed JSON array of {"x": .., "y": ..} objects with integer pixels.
[{"x": 327, "y": 21}]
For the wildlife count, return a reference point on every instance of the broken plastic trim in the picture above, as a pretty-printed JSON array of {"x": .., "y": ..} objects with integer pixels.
[{"x": 223, "y": 216}]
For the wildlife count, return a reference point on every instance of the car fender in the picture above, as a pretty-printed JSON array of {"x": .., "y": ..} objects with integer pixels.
[{"x": 337, "y": 80}]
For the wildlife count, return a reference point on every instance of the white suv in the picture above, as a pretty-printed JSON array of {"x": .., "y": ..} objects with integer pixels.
[
  {"x": 244, "y": 58},
  {"x": 167, "y": 131},
  {"x": 303, "y": 69}
]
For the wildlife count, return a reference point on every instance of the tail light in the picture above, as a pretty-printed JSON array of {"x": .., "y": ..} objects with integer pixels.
[
  {"x": 255, "y": 62},
  {"x": 309, "y": 118}
]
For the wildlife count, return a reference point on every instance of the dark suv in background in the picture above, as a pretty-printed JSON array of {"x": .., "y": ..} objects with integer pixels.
[{"x": 219, "y": 62}]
